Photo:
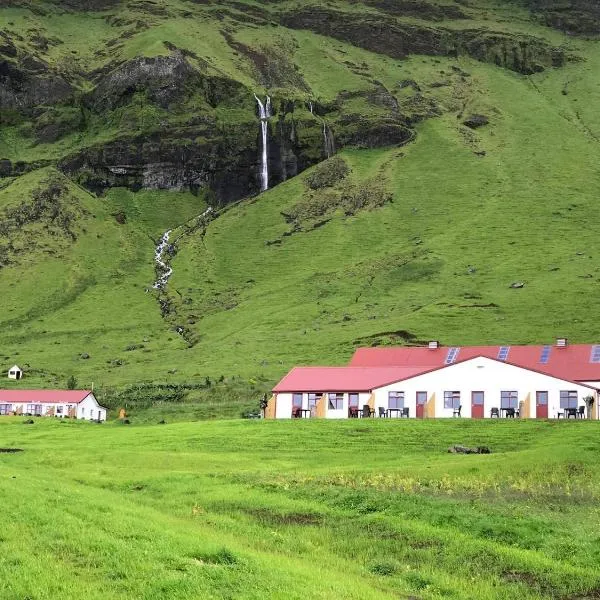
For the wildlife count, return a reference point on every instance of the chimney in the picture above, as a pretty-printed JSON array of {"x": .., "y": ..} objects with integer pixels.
[
  {"x": 434, "y": 345},
  {"x": 561, "y": 342}
]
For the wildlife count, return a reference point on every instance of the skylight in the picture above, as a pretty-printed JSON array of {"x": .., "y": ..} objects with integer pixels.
[
  {"x": 595, "y": 357},
  {"x": 451, "y": 356},
  {"x": 503, "y": 352},
  {"x": 545, "y": 354}
]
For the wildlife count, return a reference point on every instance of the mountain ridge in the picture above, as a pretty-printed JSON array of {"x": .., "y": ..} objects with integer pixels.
[{"x": 470, "y": 152}]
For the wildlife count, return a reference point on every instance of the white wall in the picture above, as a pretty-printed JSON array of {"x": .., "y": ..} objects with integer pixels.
[
  {"x": 90, "y": 410},
  {"x": 482, "y": 374}
]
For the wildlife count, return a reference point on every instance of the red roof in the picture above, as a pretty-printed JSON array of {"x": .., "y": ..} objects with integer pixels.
[
  {"x": 342, "y": 379},
  {"x": 43, "y": 396},
  {"x": 572, "y": 363}
]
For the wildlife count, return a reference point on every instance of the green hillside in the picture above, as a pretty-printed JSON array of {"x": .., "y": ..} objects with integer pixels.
[{"x": 467, "y": 162}]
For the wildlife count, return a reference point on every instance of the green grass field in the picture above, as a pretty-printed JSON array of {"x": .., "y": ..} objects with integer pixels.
[{"x": 329, "y": 510}]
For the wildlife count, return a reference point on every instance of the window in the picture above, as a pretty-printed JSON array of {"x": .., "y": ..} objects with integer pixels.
[
  {"x": 541, "y": 398},
  {"x": 503, "y": 352},
  {"x": 451, "y": 399},
  {"x": 509, "y": 399},
  {"x": 395, "y": 399},
  {"x": 336, "y": 401},
  {"x": 477, "y": 398},
  {"x": 5, "y": 409},
  {"x": 568, "y": 399},
  {"x": 297, "y": 400},
  {"x": 353, "y": 400},
  {"x": 313, "y": 399},
  {"x": 595, "y": 355},
  {"x": 545, "y": 354},
  {"x": 451, "y": 356}
]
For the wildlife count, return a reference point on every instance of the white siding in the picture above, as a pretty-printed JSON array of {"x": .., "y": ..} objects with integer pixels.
[
  {"x": 486, "y": 375},
  {"x": 90, "y": 410}
]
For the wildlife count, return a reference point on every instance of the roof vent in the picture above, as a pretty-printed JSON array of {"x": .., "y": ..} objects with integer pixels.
[
  {"x": 434, "y": 345},
  {"x": 561, "y": 342}
]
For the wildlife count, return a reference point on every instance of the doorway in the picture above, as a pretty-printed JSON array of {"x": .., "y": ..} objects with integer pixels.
[
  {"x": 477, "y": 405},
  {"x": 421, "y": 402},
  {"x": 541, "y": 405}
]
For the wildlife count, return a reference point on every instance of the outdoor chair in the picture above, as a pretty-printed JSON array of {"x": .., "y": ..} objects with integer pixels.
[
  {"x": 495, "y": 413},
  {"x": 367, "y": 412},
  {"x": 382, "y": 413},
  {"x": 581, "y": 412},
  {"x": 456, "y": 411},
  {"x": 404, "y": 412}
]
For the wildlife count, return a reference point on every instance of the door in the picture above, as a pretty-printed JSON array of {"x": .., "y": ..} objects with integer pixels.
[
  {"x": 421, "y": 402},
  {"x": 541, "y": 405},
  {"x": 477, "y": 405}
]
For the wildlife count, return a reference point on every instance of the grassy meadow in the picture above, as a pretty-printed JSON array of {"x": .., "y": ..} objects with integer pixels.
[{"x": 310, "y": 509}]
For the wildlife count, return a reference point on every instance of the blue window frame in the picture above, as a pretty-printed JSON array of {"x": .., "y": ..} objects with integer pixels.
[
  {"x": 568, "y": 399},
  {"x": 395, "y": 399},
  {"x": 503, "y": 352},
  {"x": 452, "y": 355},
  {"x": 451, "y": 400},
  {"x": 509, "y": 399},
  {"x": 545, "y": 356}
]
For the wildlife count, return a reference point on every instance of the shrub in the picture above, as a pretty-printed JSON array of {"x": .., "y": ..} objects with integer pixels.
[
  {"x": 328, "y": 173},
  {"x": 384, "y": 568}
]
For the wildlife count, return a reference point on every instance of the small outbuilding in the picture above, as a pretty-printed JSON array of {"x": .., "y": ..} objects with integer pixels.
[{"x": 15, "y": 373}]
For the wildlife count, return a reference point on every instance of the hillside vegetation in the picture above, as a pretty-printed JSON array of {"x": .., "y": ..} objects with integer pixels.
[
  {"x": 467, "y": 145},
  {"x": 304, "y": 509}
]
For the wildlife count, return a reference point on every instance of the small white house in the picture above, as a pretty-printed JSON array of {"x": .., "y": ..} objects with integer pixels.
[
  {"x": 15, "y": 373},
  {"x": 73, "y": 404},
  {"x": 479, "y": 387}
]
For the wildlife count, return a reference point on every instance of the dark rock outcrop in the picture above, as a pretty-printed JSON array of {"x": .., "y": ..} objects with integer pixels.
[
  {"x": 419, "y": 9},
  {"x": 164, "y": 80},
  {"x": 31, "y": 84},
  {"x": 574, "y": 17},
  {"x": 475, "y": 121},
  {"x": 523, "y": 54}
]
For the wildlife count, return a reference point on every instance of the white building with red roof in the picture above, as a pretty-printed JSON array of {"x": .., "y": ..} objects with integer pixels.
[
  {"x": 74, "y": 404},
  {"x": 558, "y": 381}
]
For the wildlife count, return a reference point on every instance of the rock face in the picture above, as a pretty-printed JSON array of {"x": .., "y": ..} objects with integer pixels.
[
  {"x": 524, "y": 54},
  {"x": 205, "y": 149},
  {"x": 164, "y": 80},
  {"x": 29, "y": 85},
  {"x": 571, "y": 16}
]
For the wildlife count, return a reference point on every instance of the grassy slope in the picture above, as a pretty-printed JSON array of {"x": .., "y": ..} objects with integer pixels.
[
  {"x": 524, "y": 212},
  {"x": 521, "y": 213},
  {"x": 243, "y": 510},
  {"x": 93, "y": 299}
]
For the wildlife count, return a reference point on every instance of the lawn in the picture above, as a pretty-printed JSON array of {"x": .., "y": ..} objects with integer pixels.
[{"x": 257, "y": 509}]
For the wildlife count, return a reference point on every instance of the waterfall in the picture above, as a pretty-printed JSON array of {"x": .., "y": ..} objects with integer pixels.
[
  {"x": 164, "y": 270},
  {"x": 328, "y": 141},
  {"x": 264, "y": 111}
]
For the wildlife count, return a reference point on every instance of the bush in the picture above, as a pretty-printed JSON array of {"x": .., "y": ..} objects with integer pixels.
[{"x": 328, "y": 173}]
